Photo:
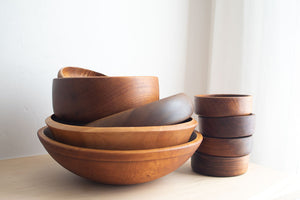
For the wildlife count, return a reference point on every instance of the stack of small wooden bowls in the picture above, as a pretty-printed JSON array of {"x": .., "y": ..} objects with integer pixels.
[
  {"x": 227, "y": 124},
  {"x": 116, "y": 130}
]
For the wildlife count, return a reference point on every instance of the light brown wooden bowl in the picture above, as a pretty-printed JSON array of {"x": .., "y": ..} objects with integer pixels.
[
  {"x": 76, "y": 72},
  {"x": 220, "y": 105},
  {"x": 227, "y": 127},
  {"x": 122, "y": 138},
  {"x": 226, "y": 147},
  {"x": 82, "y": 100},
  {"x": 119, "y": 167},
  {"x": 219, "y": 166}
]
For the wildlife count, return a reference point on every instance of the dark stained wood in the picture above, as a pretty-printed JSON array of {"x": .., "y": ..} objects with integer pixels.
[
  {"x": 122, "y": 138},
  {"x": 220, "y": 105},
  {"x": 226, "y": 147},
  {"x": 119, "y": 167},
  {"x": 76, "y": 72},
  {"x": 227, "y": 127},
  {"x": 170, "y": 110},
  {"x": 82, "y": 100},
  {"x": 219, "y": 166}
]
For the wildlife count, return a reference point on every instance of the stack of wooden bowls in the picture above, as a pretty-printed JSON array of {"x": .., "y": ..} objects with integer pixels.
[
  {"x": 116, "y": 130},
  {"x": 227, "y": 124}
]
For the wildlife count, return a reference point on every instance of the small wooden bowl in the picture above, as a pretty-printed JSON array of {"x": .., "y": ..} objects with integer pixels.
[
  {"x": 220, "y": 105},
  {"x": 227, "y": 127},
  {"x": 83, "y": 100},
  {"x": 119, "y": 167},
  {"x": 122, "y": 138},
  {"x": 76, "y": 72},
  {"x": 226, "y": 147},
  {"x": 170, "y": 110},
  {"x": 219, "y": 166}
]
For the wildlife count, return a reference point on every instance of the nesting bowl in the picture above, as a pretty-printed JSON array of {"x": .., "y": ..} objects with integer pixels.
[
  {"x": 119, "y": 167},
  {"x": 122, "y": 138},
  {"x": 76, "y": 72},
  {"x": 85, "y": 99}
]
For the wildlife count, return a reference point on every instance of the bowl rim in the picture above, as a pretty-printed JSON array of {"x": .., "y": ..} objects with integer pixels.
[
  {"x": 108, "y": 155},
  {"x": 87, "y": 129},
  {"x": 246, "y": 117},
  {"x": 221, "y": 96},
  {"x": 106, "y": 77}
]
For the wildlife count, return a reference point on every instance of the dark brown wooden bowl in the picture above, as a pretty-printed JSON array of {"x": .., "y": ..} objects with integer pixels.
[
  {"x": 226, "y": 147},
  {"x": 219, "y": 166},
  {"x": 227, "y": 127},
  {"x": 82, "y": 100},
  {"x": 170, "y": 110},
  {"x": 220, "y": 105},
  {"x": 119, "y": 167},
  {"x": 76, "y": 72}
]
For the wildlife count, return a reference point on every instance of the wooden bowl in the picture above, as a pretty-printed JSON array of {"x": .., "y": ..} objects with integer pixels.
[
  {"x": 227, "y": 127},
  {"x": 82, "y": 100},
  {"x": 220, "y": 105},
  {"x": 219, "y": 166},
  {"x": 170, "y": 110},
  {"x": 226, "y": 147},
  {"x": 122, "y": 138},
  {"x": 76, "y": 72},
  {"x": 119, "y": 167}
]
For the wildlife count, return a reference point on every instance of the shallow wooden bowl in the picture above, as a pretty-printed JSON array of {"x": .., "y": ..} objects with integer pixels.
[
  {"x": 170, "y": 110},
  {"x": 119, "y": 167},
  {"x": 82, "y": 100},
  {"x": 220, "y": 105},
  {"x": 226, "y": 147},
  {"x": 76, "y": 72},
  {"x": 219, "y": 166},
  {"x": 122, "y": 138},
  {"x": 227, "y": 127}
]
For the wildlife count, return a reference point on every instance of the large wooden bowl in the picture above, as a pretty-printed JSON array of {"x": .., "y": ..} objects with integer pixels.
[
  {"x": 85, "y": 99},
  {"x": 226, "y": 147},
  {"x": 119, "y": 167},
  {"x": 220, "y": 105},
  {"x": 219, "y": 166},
  {"x": 227, "y": 127},
  {"x": 122, "y": 138}
]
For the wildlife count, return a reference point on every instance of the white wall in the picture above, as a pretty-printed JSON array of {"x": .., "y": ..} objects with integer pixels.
[{"x": 115, "y": 37}]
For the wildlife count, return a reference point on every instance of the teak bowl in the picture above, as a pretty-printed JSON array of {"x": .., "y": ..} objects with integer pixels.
[
  {"x": 119, "y": 167},
  {"x": 83, "y": 100},
  {"x": 226, "y": 147},
  {"x": 227, "y": 127},
  {"x": 219, "y": 166},
  {"x": 76, "y": 72},
  {"x": 170, "y": 110},
  {"x": 122, "y": 138},
  {"x": 220, "y": 105}
]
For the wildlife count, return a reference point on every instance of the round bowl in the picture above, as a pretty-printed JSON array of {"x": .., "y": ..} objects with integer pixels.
[
  {"x": 219, "y": 166},
  {"x": 119, "y": 167},
  {"x": 86, "y": 99},
  {"x": 76, "y": 72},
  {"x": 170, "y": 110},
  {"x": 122, "y": 138},
  {"x": 227, "y": 127},
  {"x": 221, "y": 105},
  {"x": 226, "y": 147}
]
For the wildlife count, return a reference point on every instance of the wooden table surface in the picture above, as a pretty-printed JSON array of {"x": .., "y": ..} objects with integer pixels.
[{"x": 40, "y": 177}]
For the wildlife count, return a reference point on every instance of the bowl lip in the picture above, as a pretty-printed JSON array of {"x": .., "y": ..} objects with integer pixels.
[
  {"x": 222, "y": 96},
  {"x": 251, "y": 115},
  {"x": 105, "y": 77},
  {"x": 87, "y": 129},
  {"x": 242, "y": 138},
  {"x": 67, "y": 150}
]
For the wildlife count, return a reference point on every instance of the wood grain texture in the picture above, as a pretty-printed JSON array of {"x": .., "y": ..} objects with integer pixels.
[
  {"x": 76, "y": 72},
  {"x": 227, "y": 127},
  {"x": 220, "y": 105},
  {"x": 119, "y": 167},
  {"x": 122, "y": 138},
  {"x": 219, "y": 166},
  {"x": 82, "y": 100},
  {"x": 226, "y": 147},
  {"x": 170, "y": 110}
]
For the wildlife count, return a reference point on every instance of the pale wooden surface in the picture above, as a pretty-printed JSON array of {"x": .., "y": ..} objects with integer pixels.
[{"x": 40, "y": 177}]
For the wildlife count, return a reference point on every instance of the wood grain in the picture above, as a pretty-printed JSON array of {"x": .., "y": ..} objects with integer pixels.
[
  {"x": 76, "y": 72},
  {"x": 119, "y": 167}
]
